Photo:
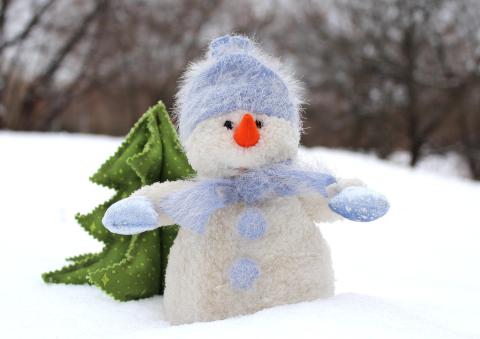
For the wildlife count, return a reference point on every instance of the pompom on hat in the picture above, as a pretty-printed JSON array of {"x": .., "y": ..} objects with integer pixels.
[{"x": 235, "y": 75}]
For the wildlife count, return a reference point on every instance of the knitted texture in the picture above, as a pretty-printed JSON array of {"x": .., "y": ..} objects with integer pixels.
[
  {"x": 131, "y": 267},
  {"x": 236, "y": 76}
]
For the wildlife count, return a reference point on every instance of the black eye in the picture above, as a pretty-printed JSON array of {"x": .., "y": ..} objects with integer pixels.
[
  {"x": 228, "y": 124},
  {"x": 259, "y": 123}
]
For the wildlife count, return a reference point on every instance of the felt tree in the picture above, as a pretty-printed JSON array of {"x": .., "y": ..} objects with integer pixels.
[{"x": 131, "y": 267}]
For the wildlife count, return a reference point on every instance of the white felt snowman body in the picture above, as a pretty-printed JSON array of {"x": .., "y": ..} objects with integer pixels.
[
  {"x": 290, "y": 259},
  {"x": 248, "y": 238}
]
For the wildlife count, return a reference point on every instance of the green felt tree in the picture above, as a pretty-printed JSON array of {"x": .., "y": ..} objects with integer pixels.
[{"x": 131, "y": 267}]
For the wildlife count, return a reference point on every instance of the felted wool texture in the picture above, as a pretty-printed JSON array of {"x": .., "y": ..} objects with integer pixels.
[
  {"x": 213, "y": 152},
  {"x": 359, "y": 204},
  {"x": 192, "y": 207},
  {"x": 292, "y": 256},
  {"x": 156, "y": 192},
  {"x": 317, "y": 206},
  {"x": 131, "y": 267},
  {"x": 252, "y": 224},
  {"x": 236, "y": 75},
  {"x": 131, "y": 216},
  {"x": 243, "y": 273}
]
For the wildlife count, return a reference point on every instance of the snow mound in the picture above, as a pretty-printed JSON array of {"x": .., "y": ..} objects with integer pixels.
[{"x": 412, "y": 274}]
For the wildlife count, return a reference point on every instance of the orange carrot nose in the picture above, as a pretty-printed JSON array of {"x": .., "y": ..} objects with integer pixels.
[{"x": 246, "y": 134}]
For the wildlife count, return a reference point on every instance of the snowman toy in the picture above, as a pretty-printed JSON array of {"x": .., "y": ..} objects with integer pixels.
[{"x": 247, "y": 238}]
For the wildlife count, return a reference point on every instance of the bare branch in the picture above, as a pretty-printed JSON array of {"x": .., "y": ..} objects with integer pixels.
[
  {"x": 34, "y": 21},
  {"x": 71, "y": 43}
]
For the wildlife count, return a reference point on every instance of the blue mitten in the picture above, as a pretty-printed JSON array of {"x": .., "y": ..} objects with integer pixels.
[
  {"x": 131, "y": 216},
  {"x": 358, "y": 203}
]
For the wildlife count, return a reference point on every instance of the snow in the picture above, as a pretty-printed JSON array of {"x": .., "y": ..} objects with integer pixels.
[
  {"x": 412, "y": 274},
  {"x": 449, "y": 164}
]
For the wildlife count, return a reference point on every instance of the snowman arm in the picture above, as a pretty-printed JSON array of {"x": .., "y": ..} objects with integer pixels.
[
  {"x": 141, "y": 212},
  {"x": 341, "y": 184},
  {"x": 317, "y": 205},
  {"x": 158, "y": 191}
]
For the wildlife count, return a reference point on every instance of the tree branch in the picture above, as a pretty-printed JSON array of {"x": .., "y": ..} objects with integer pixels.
[
  {"x": 71, "y": 43},
  {"x": 34, "y": 21}
]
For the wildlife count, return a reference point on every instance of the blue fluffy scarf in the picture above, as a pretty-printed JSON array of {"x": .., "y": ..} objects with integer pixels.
[{"x": 193, "y": 207}]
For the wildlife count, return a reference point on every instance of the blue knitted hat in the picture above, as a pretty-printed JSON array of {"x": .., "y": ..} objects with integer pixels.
[{"x": 235, "y": 76}]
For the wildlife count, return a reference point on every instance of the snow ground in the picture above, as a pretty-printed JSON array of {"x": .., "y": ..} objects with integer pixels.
[
  {"x": 450, "y": 164},
  {"x": 413, "y": 274}
]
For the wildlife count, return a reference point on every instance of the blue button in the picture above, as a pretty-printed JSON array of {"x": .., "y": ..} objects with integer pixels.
[
  {"x": 243, "y": 273},
  {"x": 252, "y": 224}
]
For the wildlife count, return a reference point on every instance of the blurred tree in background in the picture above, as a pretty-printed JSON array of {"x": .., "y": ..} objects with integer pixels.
[{"x": 380, "y": 75}]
